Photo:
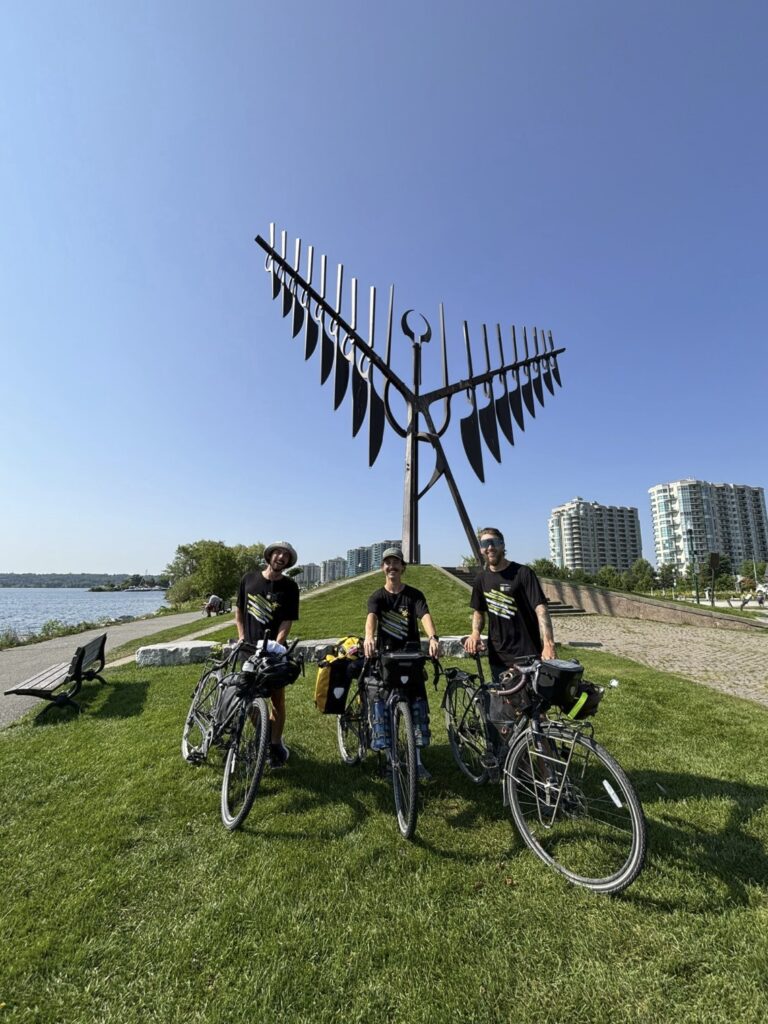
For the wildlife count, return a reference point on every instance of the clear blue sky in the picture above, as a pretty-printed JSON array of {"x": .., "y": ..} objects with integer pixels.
[{"x": 595, "y": 168}]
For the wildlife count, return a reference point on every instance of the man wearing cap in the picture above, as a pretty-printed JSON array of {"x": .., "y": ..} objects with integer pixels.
[
  {"x": 510, "y": 594},
  {"x": 269, "y": 601},
  {"x": 394, "y": 613}
]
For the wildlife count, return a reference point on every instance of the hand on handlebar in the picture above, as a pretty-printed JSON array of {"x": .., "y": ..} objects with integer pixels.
[{"x": 474, "y": 644}]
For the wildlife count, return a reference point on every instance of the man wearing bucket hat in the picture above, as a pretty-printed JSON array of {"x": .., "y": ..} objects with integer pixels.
[
  {"x": 269, "y": 601},
  {"x": 394, "y": 613}
]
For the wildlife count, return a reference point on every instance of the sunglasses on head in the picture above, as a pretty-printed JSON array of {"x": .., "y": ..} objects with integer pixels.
[{"x": 491, "y": 542}]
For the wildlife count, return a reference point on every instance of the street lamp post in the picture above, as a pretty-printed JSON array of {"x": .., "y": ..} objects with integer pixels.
[{"x": 692, "y": 554}]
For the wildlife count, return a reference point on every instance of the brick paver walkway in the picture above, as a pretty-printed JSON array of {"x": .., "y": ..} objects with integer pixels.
[{"x": 727, "y": 660}]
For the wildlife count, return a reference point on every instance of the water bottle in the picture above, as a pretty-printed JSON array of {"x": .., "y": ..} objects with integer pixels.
[
  {"x": 420, "y": 714},
  {"x": 380, "y": 738}
]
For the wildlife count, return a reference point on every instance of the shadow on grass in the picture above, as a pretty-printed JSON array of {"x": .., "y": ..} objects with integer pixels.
[
  {"x": 113, "y": 699},
  {"x": 730, "y": 853}
]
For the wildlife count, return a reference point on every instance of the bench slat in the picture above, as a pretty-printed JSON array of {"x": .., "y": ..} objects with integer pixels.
[{"x": 44, "y": 681}]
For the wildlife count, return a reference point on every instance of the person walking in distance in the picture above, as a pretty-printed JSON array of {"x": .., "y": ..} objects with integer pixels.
[
  {"x": 510, "y": 595},
  {"x": 268, "y": 601}
]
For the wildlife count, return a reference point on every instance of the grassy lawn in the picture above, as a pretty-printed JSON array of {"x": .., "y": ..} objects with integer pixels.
[{"x": 125, "y": 900}]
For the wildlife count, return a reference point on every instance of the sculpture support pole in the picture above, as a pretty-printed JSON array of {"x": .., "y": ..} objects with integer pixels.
[{"x": 411, "y": 486}]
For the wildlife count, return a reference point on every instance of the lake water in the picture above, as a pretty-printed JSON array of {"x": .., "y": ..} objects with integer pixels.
[{"x": 25, "y": 609}]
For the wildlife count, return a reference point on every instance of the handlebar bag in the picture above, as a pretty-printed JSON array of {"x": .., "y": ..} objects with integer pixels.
[
  {"x": 557, "y": 678},
  {"x": 401, "y": 668}
]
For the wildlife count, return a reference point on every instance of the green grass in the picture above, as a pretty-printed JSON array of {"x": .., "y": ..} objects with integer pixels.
[{"x": 126, "y": 901}]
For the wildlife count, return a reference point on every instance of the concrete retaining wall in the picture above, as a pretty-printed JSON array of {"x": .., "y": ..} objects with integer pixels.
[{"x": 609, "y": 602}]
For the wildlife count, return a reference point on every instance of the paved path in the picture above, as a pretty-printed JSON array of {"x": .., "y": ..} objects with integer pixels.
[
  {"x": 727, "y": 660},
  {"x": 19, "y": 663}
]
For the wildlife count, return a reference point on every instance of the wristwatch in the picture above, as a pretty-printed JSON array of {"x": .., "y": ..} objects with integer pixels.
[{"x": 434, "y": 637}]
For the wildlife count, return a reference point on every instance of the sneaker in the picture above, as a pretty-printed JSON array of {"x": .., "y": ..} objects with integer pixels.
[
  {"x": 424, "y": 774},
  {"x": 278, "y": 754}
]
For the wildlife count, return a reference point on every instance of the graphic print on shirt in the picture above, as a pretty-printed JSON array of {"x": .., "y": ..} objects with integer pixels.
[
  {"x": 501, "y": 605},
  {"x": 395, "y": 623},
  {"x": 262, "y": 608}
]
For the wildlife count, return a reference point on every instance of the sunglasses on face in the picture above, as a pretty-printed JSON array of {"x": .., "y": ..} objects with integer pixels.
[{"x": 491, "y": 543}]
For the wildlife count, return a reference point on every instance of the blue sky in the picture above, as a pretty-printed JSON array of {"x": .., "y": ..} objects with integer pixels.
[{"x": 595, "y": 169}]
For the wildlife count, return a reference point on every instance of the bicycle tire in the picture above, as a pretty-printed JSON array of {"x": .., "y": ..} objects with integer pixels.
[
  {"x": 200, "y": 716},
  {"x": 244, "y": 766},
  {"x": 575, "y": 808},
  {"x": 467, "y": 728},
  {"x": 351, "y": 729},
  {"x": 405, "y": 780}
]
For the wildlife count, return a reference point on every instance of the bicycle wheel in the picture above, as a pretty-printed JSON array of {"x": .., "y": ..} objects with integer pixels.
[
  {"x": 404, "y": 770},
  {"x": 351, "y": 727},
  {"x": 576, "y": 809},
  {"x": 199, "y": 717},
  {"x": 245, "y": 762},
  {"x": 467, "y": 730}
]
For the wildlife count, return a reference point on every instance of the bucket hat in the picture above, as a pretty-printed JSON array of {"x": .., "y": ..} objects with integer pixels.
[{"x": 270, "y": 549}]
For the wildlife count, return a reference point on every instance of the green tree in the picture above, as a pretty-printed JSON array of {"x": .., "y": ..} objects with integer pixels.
[
  {"x": 250, "y": 557},
  {"x": 546, "y": 568},
  {"x": 641, "y": 577},
  {"x": 609, "y": 577},
  {"x": 202, "y": 568},
  {"x": 667, "y": 576}
]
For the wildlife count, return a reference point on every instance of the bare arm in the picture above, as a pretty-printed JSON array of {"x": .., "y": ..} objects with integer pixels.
[
  {"x": 283, "y": 630},
  {"x": 545, "y": 628},
  {"x": 473, "y": 643},
  {"x": 369, "y": 644},
  {"x": 239, "y": 623},
  {"x": 429, "y": 628}
]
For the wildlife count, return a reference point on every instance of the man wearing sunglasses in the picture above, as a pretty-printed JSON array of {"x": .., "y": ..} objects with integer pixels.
[{"x": 511, "y": 596}]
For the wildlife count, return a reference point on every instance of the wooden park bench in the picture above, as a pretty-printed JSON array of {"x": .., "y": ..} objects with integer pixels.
[{"x": 87, "y": 663}]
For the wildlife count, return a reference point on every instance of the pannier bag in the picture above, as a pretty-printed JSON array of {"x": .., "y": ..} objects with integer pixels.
[
  {"x": 229, "y": 694},
  {"x": 335, "y": 675},
  {"x": 401, "y": 668},
  {"x": 502, "y": 712}
]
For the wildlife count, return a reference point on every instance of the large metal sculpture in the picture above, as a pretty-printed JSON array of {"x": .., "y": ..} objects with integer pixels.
[{"x": 506, "y": 390}]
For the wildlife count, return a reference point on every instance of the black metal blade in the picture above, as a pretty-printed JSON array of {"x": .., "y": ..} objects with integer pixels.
[
  {"x": 490, "y": 430},
  {"x": 547, "y": 377},
  {"x": 326, "y": 356},
  {"x": 376, "y": 425},
  {"x": 527, "y": 390},
  {"x": 537, "y": 385},
  {"x": 298, "y": 318},
  {"x": 341, "y": 377},
  {"x": 359, "y": 399},
  {"x": 275, "y": 285},
  {"x": 556, "y": 371},
  {"x": 310, "y": 339},
  {"x": 516, "y": 405},
  {"x": 470, "y": 436},
  {"x": 503, "y": 415},
  {"x": 287, "y": 300}
]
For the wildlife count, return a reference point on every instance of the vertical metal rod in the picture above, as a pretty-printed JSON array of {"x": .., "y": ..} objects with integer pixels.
[{"x": 411, "y": 489}]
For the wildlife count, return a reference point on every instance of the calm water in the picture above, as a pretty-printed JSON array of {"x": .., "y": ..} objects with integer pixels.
[{"x": 25, "y": 609}]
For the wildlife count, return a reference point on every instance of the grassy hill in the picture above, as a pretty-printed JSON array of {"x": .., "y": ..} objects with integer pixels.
[{"x": 125, "y": 900}]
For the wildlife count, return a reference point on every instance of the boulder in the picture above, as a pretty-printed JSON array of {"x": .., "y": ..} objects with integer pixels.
[{"x": 180, "y": 652}]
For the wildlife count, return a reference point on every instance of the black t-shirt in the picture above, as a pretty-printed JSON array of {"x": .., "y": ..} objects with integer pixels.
[
  {"x": 264, "y": 604},
  {"x": 509, "y": 598},
  {"x": 398, "y": 616}
]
